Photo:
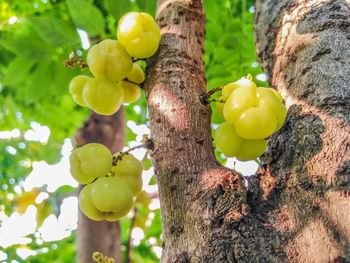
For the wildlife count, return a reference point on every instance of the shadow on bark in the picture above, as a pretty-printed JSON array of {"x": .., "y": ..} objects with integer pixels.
[
  {"x": 309, "y": 157},
  {"x": 293, "y": 208}
]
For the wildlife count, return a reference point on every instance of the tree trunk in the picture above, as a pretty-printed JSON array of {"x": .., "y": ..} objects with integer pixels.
[
  {"x": 297, "y": 208},
  {"x": 100, "y": 236},
  {"x": 199, "y": 198},
  {"x": 305, "y": 47}
]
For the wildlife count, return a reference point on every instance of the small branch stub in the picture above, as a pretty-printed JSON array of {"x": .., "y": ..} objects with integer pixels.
[
  {"x": 148, "y": 144},
  {"x": 205, "y": 97}
]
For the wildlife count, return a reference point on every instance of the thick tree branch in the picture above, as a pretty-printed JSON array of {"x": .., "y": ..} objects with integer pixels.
[{"x": 199, "y": 198}]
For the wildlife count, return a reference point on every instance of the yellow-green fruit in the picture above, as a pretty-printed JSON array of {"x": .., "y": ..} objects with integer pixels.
[
  {"x": 87, "y": 207},
  {"x": 111, "y": 217},
  {"x": 136, "y": 75},
  {"x": 76, "y": 88},
  {"x": 225, "y": 93},
  {"x": 239, "y": 100},
  {"x": 90, "y": 161},
  {"x": 261, "y": 92},
  {"x": 256, "y": 123},
  {"x": 227, "y": 89},
  {"x": 272, "y": 102},
  {"x": 76, "y": 170},
  {"x": 129, "y": 169},
  {"x": 143, "y": 199},
  {"x": 277, "y": 94},
  {"x": 139, "y": 33},
  {"x": 103, "y": 96},
  {"x": 109, "y": 60},
  {"x": 131, "y": 91},
  {"x": 246, "y": 83},
  {"x": 220, "y": 105},
  {"x": 111, "y": 194},
  {"x": 251, "y": 149},
  {"x": 227, "y": 140}
]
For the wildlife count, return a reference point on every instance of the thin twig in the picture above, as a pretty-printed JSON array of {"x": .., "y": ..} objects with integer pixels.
[
  {"x": 205, "y": 98},
  {"x": 148, "y": 144},
  {"x": 128, "y": 246},
  {"x": 215, "y": 100}
]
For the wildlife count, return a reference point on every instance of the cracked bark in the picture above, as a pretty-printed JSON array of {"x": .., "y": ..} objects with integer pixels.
[
  {"x": 305, "y": 47},
  {"x": 100, "y": 236},
  {"x": 295, "y": 210}
]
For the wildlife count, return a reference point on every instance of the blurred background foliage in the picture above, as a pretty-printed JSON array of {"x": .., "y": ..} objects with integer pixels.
[{"x": 37, "y": 114}]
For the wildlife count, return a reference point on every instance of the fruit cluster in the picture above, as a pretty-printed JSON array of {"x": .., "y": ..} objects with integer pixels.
[
  {"x": 252, "y": 114},
  {"x": 111, "y": 182},
  {"x": 116, "y": 77}
]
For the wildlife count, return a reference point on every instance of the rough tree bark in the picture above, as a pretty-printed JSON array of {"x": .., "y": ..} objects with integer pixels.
[
  {"x": 101, "y": 236},
  {"x": 295, "y": 210},
  {"x": 305, "y": 47},
  {"x": 199, "y": 198}
]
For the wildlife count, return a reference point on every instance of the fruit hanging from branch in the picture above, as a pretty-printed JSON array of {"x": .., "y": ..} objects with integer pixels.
[
  {"x": 252, "y": 114},
  {"x": 111, "y": 182},
  {"x": 116, "y": 79}
]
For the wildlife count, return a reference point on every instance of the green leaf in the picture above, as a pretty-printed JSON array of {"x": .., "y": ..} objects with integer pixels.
[
  {"x": 54, "y": 31},
  {"x": 86, "y": 16},
  {"x": 61, "y": 78},
  {"x": 148, "y": 6},
  {"x": 17, "y": 71},
  {"x": 118, "y": 8},
  {"x": 43, "y": 211},
  {"x": 29, "y": 46},
  {"x": 39, "y": 84},
  {"x": 64, "y": 190}
]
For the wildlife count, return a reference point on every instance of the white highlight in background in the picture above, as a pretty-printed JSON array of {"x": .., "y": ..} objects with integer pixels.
[
  {"x": 39, "y": 133},
  {"x": 12, "y": 20},
  {"x": 85, "y": 43},
  {"x": 23, "y": 252},
  {"x": 14, "y": 228},
  {"x": 15, "y": 133},
  {"x": 53, "y": 176}
]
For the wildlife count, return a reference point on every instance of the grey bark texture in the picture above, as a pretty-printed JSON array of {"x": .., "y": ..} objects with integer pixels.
[
  {"x": 305, "y": 48},
  {"x": 100, "y": 236},
  {"x": 297, "y": 207}
]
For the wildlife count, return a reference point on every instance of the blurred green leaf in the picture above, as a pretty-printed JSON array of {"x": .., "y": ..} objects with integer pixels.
[
  {"x": 54, "y": 31},
  {"x": 148, "y": 6},
  {"x": 28, "y": 46},
  {"x": 86, "y": 16},
  {"x": 118, "y": 8},
  {"x": 17, "y": 71},
  {"x": 44, "y": 209}
]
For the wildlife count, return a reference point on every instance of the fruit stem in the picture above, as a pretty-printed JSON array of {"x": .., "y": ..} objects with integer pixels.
[
  {"x": 204, "y": 98},
  {"x": 138, "y": 84},
  {"x": 148, "y": 144},
  {"x": 216, "y": 100}
]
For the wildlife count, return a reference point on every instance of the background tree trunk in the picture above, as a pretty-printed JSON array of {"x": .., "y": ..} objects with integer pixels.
[
  {"x": 100, "y": 236},
  {"x": 297, "y": 208}
]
